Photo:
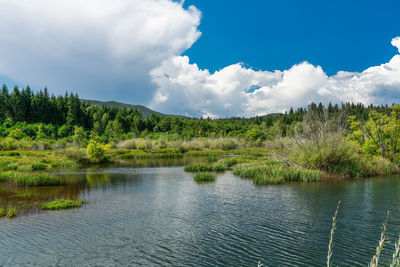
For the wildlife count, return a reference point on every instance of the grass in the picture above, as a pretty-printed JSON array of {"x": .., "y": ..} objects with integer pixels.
[
  {"x": 204, "y": 167},
  {"x": 263, "y": 173},
  {"x": 204, "y": 177},
  {"x": 29, "y": 179},
  {"x": 11, "y": 212},
  {"x": 62, "y": 204},
  {"x": 2, "y": 212}
]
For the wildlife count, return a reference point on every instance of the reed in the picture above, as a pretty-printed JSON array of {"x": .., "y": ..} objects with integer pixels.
[{"x": 11, "y": 212}]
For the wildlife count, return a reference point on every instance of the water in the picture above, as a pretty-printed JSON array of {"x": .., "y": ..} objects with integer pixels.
[{"x": 161, "y": 217}]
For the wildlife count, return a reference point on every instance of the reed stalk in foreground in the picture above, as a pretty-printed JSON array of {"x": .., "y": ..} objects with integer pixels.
[
  {"x": 396, "y": 256},
  {"x": 375, "y": 259},
  {"x": 330, "y": 246}
]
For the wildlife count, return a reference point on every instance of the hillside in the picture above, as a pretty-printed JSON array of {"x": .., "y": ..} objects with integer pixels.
[{"x": 146, "y": 112}]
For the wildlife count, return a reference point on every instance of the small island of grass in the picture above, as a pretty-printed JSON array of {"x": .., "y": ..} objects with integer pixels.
[
  {"x": 204, "y": 177},
  {"x": 62, "y": 204}
]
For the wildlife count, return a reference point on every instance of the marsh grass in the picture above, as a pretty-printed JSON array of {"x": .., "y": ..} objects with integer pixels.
[
  {"x": 11, "y": 212},
  {"x": 204, "y": 167},
  {"x": 61, "y": 204},
  {"x": 264, "y": 173},
  {"x": 30, "y": 179},
  {"x": 2, "y": 212},
  {"x": 204, "y": 177}
]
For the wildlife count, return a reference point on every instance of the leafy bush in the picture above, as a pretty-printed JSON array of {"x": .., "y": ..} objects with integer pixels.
[
  {"x": 74, "y": 153},
  {"x": 96, "y": 151}
]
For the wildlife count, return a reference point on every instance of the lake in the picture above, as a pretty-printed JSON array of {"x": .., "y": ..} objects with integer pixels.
[{"x": 152, "y": 213}]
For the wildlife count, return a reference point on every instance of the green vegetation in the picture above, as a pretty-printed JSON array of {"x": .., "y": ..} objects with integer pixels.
[
  {"x": 274, "y": 173},
  {"x": 204, "y": 177},
  {"x": 204, "y": 167},
  {"x": 2, "y": 212},
  {"x": 11, "y": 212},
  {"x": 29, "y": 179},
  {"x": 61, "y": 204},
  {"x": 308, "y": 143}
]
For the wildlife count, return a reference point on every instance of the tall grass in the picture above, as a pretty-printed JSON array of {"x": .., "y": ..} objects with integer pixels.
[
  {"x": 11, "y": 212},
  {"x": 263, "y": 174},
  {"x": 204, "y": 177},
  {"x": 30, "y": 179},
  {"x": 375, "y": 260},
  {"x": 204, "y": 167}
]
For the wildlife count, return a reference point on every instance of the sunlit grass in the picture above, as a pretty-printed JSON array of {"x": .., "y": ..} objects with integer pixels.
[{"x": 61, "y": 204}]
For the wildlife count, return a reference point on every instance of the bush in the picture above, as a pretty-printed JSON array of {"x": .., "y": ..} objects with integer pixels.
[
  {"x": 333, "y": 154},
  {"x": 127, "y": 144},
  {"x": 75, "y": 153},
  {"x": 96, "y": 151}
]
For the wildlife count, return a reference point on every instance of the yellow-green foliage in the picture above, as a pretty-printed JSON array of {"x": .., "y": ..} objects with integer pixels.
[
  {"x": 12, "y": 212},
  {"x": 340, "y": 156},
  {"x": 2, "y": 212},
  {"x": 96, "y": 151},
  {"x": 61, "y": 204}
]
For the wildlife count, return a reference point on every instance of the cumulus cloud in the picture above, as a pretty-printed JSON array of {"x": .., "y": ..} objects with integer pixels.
[
  {"x": 185, "y": 89},
  {"x": 94, "y": 47}
]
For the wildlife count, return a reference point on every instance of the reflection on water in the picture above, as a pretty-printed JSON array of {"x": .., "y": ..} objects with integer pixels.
[
  {"x": 160, "y": 216},
  {"x": 28, "y": 199}
]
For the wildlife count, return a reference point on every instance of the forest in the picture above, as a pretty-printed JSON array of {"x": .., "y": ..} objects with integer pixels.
[{"x": 25, "y": 114}]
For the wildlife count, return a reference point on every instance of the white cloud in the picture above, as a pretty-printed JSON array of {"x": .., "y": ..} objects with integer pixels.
[
  {"x": 93, "y": 47},
  {"x": 185, "y": 89}
]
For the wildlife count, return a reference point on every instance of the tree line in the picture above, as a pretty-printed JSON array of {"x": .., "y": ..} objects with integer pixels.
[{"x": 28, "y": 114}]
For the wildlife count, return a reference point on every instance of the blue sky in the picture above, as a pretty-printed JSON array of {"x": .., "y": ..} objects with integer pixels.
[
  {"x": 338, "y": 35},
  {"x": 205, "y": 58}
]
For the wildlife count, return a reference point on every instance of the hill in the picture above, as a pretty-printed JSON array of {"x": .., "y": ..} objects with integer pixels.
[{"x": 146, "y": 112}]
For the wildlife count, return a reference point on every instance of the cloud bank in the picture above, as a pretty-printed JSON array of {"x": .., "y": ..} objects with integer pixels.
[
  {"x": 185, "y": 89},
  {"x": 93, "y": 47}
]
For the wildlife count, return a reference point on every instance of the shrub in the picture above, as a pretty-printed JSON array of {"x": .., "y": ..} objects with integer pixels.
[
  {"x": 96, "y": 151},
  {"x": 333, "y": 154},
  {"x": 75, "y": 153},
  {"x": 127, "y": 144}
]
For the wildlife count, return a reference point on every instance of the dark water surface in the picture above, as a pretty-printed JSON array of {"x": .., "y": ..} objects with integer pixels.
[{"x": 139, "y": 216}]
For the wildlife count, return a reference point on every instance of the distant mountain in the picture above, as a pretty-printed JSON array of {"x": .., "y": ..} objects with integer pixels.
[{"x": 146, "y": 112}]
